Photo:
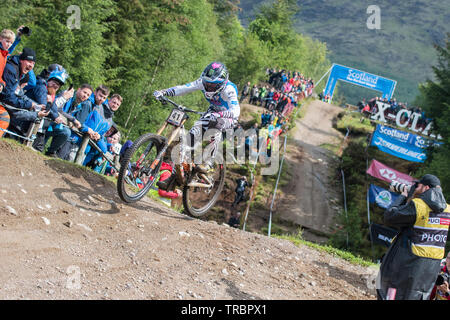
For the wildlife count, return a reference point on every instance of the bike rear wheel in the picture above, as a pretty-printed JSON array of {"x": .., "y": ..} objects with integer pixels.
[
  {"x": 138, "y": 168},
  {"x": 197, "y": 201}
]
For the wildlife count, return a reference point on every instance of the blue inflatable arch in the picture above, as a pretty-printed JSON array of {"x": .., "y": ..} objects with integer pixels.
[{"x": 360, "y": 78}]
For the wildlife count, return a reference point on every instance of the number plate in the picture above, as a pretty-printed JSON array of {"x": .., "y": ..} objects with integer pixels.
[{"x": 176, "y": 117}]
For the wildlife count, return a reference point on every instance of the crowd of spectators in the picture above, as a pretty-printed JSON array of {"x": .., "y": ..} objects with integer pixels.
[
  {"x": 63, "y": 116},
  {"x": 324, "y": 97},
  {"x": 370, "y": 107},
  {"x": 279, "y": 96},
  {"x": 283, "y": 91}
]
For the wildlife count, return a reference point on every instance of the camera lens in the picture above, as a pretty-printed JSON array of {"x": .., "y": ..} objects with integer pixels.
[{"x": 399, "y": 187}]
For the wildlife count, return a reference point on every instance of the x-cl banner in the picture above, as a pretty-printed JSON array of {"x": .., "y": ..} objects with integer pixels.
[{"x": 383, "y": 172}]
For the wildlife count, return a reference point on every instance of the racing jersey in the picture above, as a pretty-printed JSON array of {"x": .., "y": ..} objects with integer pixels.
[{"x": 226, "y": 101}]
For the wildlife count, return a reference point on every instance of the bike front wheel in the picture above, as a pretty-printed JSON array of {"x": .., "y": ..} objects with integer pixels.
[
  {"x": 139, "y": 167},
  {"x": 197, "y": 201}
]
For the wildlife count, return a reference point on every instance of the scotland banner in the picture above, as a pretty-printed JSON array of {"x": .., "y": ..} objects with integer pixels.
[
  {"x": 360, "y": 78},
  {"x": 381, "y": 197},
  {"x": 399, "y": 143}
]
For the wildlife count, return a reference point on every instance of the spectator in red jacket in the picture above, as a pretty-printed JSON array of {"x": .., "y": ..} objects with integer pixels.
[{"x": 441, "y": 289}]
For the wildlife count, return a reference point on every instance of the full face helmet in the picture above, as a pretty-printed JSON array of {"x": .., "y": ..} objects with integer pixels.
[{"x": 214, "y": 79}]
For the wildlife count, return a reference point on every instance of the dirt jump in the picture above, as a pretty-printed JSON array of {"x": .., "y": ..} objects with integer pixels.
[
  {"x": 65, "y": 234},
  {"x": 312, "y": 198}
]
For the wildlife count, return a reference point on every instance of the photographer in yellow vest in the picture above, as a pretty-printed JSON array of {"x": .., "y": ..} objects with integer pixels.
[{"x": 412, "y": 263}]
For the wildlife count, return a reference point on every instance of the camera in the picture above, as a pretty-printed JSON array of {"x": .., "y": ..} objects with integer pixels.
[
  {"x": 399, "y": 187},
  {"x": 25, "y": 31},
  {"x": 443, "y": 277}
]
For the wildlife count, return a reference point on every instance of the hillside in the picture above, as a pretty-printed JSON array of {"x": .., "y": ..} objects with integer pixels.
[
  {"x": 401, "y": 50},
  {"x": 66, "y": 235}
]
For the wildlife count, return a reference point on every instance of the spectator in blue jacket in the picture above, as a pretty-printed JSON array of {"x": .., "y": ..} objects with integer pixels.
[
  {"x": 76, "y": 109},
  {"x": 283, "y": 80},
  {"x": 104, "y": 111},
  {"x": 102, "y": 165},
  {"x": 269, "y": 97},
  {"x": 16, "y": 70},
  {"x": 265, "y": 118},
  {"x": 47, "y": 85},
  {"x": 97, "y": 121}
]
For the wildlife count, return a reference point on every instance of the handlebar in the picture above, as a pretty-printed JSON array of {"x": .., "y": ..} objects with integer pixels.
[{"x": 164, "y": 100}]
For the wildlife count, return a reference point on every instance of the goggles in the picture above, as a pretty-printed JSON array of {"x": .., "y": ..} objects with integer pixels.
[{"x": 212, "y": 87}]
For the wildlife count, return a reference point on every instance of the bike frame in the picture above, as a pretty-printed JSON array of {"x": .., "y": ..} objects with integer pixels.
[{"x": 180, "y": 169}]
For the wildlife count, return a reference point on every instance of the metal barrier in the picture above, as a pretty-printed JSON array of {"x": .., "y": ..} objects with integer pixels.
[
  {"x": 276, "y": 186},
  {"x": 32, "y": 130},
  {"x": 253, "y": 191}
]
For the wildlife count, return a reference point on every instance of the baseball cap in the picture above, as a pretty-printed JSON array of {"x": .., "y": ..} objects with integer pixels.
[
  {"x": 430, "y": 180},
  {"x": 28, "y": 54}
]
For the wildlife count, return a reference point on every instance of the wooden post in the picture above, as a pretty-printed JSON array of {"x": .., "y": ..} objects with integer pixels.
[
  {"x": 32, "y": 131},
  {"x": 80, "y": 153}
]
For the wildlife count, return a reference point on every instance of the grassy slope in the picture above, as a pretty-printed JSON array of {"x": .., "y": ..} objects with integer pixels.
[{"x": 401, "y": 50}]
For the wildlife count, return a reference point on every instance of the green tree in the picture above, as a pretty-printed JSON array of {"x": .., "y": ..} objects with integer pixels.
[
  {"x": 273, "y": 24},
  {"x": 288, "y": 49},
  {"x": 81, "y": 51},
  {"x": 166, "y": 44},
  {"x": 249, "y": 60},
  {"x": 436, "y": 102}
]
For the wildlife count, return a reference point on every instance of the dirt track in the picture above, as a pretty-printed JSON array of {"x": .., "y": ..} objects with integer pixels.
[
  {"x": 310, "y": 199},
  {"x": 64, "y": 234}
]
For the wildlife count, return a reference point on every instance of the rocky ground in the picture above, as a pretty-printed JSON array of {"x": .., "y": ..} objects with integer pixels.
[{"x": 65, "y": 234}]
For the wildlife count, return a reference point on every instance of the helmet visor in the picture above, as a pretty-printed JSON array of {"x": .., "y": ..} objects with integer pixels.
[{"x": 211, "y": 87}]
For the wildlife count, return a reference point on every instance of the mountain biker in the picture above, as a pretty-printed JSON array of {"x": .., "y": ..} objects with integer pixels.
[{"x": 223, "y": 111}]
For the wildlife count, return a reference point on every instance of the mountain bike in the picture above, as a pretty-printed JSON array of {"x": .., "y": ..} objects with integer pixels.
[{"x": 141, "y": 164}]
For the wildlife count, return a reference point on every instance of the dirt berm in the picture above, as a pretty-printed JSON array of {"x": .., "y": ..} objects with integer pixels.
[{"x": 65, "y": 234}]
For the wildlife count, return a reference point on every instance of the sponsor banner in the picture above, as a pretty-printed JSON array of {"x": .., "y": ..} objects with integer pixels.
[
  {"x": 439, "y": 218},
  {"x": 412, "y": 119},
  {"x": 399, "y": 143},
  {"x": 383, "y": 172},
  {"x": 381, "y": 234},
  {"x": 381, "y": 197},
  {"x": 439, "y": 221}
]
